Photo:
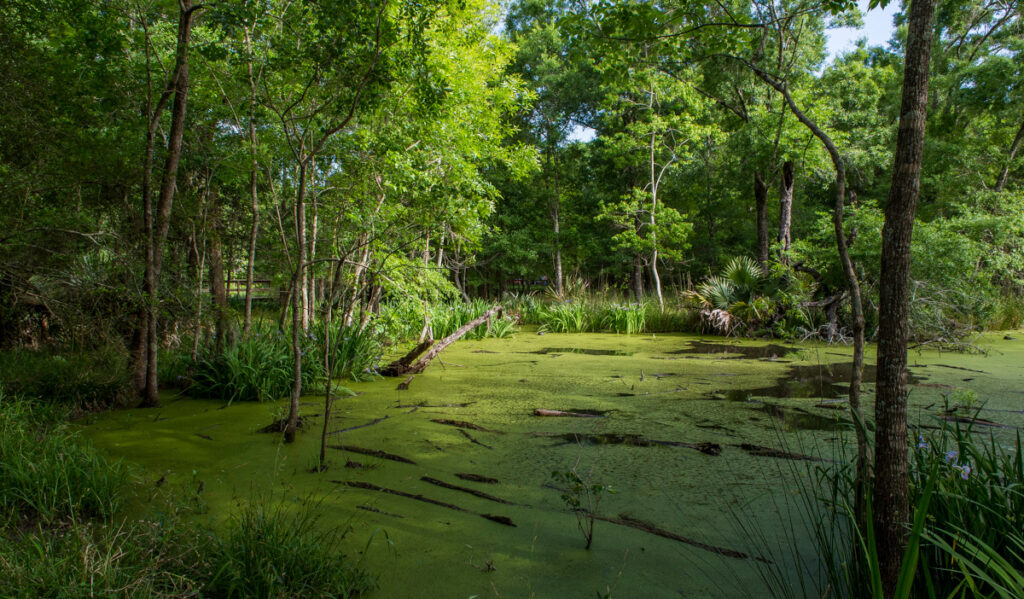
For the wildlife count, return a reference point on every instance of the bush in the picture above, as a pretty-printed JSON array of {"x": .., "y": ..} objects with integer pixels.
[
  {"x": 47, "y": 473},
  {"x": 80, "y": 380},
  {"x": 258, "y": 368}
]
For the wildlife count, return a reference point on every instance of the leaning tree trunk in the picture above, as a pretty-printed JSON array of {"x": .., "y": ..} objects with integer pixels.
[
  {"x": 786, "y": 208},
  {"x": 761, "y": 204},
  {"x": 159, "y": 229},
  {"x": 852, "y": 283},
  {"x": 891, "y": 504}
]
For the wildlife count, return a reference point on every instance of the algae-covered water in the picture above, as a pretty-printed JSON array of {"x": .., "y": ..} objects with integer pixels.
[{"x": 659, "y": 407}]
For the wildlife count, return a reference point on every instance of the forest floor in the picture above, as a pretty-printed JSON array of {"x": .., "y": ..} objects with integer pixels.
[{"x": 448, "y": 485}]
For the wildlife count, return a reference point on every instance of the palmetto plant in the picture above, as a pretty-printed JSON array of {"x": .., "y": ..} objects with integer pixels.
[{"x": 733, "y": 298}]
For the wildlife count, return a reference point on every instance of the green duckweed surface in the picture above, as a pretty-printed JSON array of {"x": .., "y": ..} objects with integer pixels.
[{"x": 655, "y": 393}]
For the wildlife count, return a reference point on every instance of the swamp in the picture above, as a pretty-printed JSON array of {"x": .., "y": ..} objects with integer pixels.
[{"x": 512, "y": 298}]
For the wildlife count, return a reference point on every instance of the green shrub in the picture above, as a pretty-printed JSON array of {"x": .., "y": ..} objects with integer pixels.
[
  {"x": 624, "y": 318},
  {"x": 46, "y": 472},
  {"x": 258, "y": 368},
  {"x": 82, "y": 380}
]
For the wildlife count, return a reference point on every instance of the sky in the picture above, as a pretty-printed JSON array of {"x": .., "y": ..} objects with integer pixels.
[{"x": 877, "y": 29}]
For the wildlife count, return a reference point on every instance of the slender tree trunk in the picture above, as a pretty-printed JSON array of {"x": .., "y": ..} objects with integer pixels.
[
  {"x": 786, "y": 208},
  {"x": 311, "y": 283},
  {"x": 555, "y": 209},
  {"x": 250, "y": 266},
  {"x": 638, "y": 278},
  {"x": 154, "y": 253},
  {"x": 761, "y": 204},
  {"x": 891, "y": 504},
  {"x": 853, "y": 287},
  {"x": 298, "y": 305},
  {"x": 655, "y": 277},
  {"x": 1014, "y": 147},
  {"x": 218, "y": 287}
]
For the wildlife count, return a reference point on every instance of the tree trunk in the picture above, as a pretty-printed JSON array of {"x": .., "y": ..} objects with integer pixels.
[
  {"x": 250, "y": 266},
  {"x": 891, "y": 504},
  {"x": 218, "y": 287},
  {"x": 786, "y": 208},
  {"x": 638, "y": 278},
  {"x": 555, "y": 209},
  {"x": 298, "y": 305},
  {"x": 761, "y": 204},
  {"x": 1014, "y": 147},
  {"x": 158, "y": 230},
  {"x": 655, "y": 277}
]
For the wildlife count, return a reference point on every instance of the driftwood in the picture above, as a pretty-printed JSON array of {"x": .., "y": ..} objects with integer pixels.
[
  {"x": 461, "y": 424},
  {"x": 470, "y": 437},
  {"x": 404, "y": 385},
  {"x": 352, "y": 428},
  {"x": 429, "y": 349}
]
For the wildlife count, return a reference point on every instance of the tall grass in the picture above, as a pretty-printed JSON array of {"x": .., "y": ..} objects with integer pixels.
[
  {"x": 46, "y": 472},
  {"x": 354, "y": 352},
  {"x": 966, "y": 538},
  {"x": 257, "y": 368},
  {"x": 283, "y": 551}
]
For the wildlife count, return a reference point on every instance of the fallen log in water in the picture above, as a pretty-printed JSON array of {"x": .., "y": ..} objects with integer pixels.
[
  {"x": 477, "y": 478},
  {"x": 352, "y": 428},
  {"x": 474, "y": 492},
  {"x": 429, "y": 349},
  {"x": 470, "y": 437},
  {"x": 418, "y": 497},
  {"x": 562, "y": 414},
  {"x": 373, "y": 453},
  {"x": 461, "y": 424},
  {"x": 625, "y": 520}
]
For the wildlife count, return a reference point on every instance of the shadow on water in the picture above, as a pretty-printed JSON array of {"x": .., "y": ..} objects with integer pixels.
[
  {"x": 824, "y": 381},
  {"x": 740, "y": 352},
  {"x": 798, "y": 419},
  {"x": 582, "y": 350}
]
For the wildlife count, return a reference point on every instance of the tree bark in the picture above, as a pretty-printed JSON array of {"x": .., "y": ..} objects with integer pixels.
[
  {"x": 638, "y": 278},
  {"x": 250, "y": 265},
  {"x": 218, "y": 287},
  {"x": 761, "y": 204},
  {"x": 786, "y": 208},
  {"x": 298, "y": 305},
  {"x": 891, "y": 504},
  {"x": 157, "y": 231}
]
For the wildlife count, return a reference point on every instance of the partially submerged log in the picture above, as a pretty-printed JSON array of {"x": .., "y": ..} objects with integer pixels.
[
  {"x": 373, "y": 453},
  {"x": 418, "y": 497},
  {"x": 563, "y": 414},
  {"x": 404, "y": 385},
  {"x": 474, "y": 492},
  {"x": 625, "y": 520},
  {"x": 406, "y": 364}
]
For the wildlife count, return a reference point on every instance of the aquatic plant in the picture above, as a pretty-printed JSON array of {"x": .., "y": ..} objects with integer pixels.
[
  {"x": 257, "y": 368},
  {"x": 354, "y": 352},
  {"x": 965, "y": 540},
  {"x": 624, "y": 318},
  {"x": 582, "y": 497},
  {"x": 566, "y": 317}
]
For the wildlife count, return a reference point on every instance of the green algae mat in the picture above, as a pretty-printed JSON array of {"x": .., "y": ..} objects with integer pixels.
[{"x": 448, "y": 487}]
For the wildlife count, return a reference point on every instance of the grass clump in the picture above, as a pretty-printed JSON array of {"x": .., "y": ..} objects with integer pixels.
[
  {"x": 283, "y": 551},
  {"x": 47, "y": 474},
  {"x": 257, "y": 368}
]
